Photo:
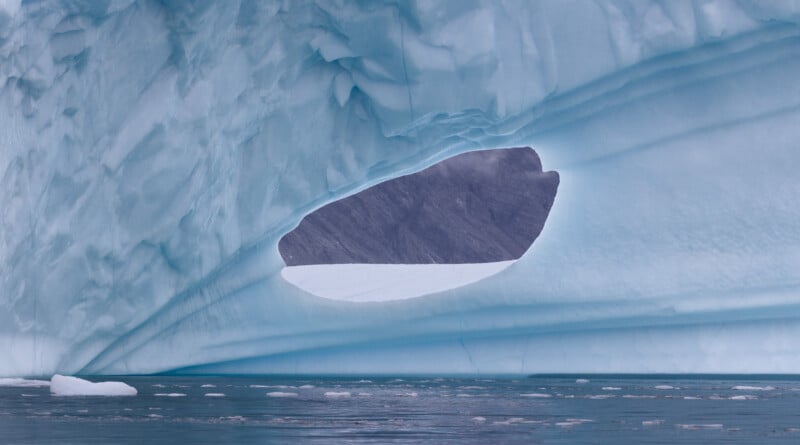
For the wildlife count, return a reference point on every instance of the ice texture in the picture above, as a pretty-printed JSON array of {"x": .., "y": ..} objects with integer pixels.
[
  {"x": 61, "y": 385},
  {"x": 152, "y": 154}
]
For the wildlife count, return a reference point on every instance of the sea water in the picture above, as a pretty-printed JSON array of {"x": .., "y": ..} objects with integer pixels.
[{"x": 503, "y": 410}]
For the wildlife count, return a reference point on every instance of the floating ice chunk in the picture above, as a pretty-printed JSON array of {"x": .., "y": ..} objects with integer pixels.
[
  {"x": 572, "y": 422},
  {"x": 281, "y": 394},
  {"x": 23, "y": 383},
  {"x": 702, "y": 426},
  {"x": 753, "y": 388},
  {"x": 743, "y": 397},
  {"x": 510, "y": 421},
  {"x": 72, "y": 386},
  {"x": 170, "y": 394},
  {"x": 334, "y": 394}
]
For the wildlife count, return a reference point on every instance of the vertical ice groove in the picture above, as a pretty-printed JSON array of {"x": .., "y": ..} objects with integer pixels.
[{"x": 152, "y": 154}]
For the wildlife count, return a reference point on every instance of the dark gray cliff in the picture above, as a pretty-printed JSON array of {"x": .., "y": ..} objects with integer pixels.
[{"x": 476, "y": 207}]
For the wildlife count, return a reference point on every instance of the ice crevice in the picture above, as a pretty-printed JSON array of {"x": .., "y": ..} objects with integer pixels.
[{"x": 209, "y": 130}]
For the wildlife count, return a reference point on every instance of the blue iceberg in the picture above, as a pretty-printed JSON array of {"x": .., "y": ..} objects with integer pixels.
[{"x": 152, "y": 155}]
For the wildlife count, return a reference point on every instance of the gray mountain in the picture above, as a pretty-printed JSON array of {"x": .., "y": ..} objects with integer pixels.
[{"x": 476, "y": 207}]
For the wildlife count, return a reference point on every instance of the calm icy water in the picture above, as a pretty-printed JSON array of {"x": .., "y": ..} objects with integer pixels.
[{"x": 547, "y": 410}]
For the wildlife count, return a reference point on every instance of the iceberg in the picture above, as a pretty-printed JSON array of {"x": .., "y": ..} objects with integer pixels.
[
  {"x": 152, "y": 155},
  {"x": 61, "y": 385}
]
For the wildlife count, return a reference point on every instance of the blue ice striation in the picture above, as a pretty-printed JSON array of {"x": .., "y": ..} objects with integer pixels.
[{"x": 153, "y": 153}]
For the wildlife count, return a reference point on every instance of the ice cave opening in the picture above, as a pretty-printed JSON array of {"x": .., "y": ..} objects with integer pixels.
[{"x": 457, "y": 222}]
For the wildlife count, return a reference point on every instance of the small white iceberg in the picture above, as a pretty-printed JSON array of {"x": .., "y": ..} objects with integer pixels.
[
  {"x": 61, "y": 385},
  {"x": 281, "y": 394},
  {"x": 334, "y": 394},
  {"x": 753, "y": 388}
]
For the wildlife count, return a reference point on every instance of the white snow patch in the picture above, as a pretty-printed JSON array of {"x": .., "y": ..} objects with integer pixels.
[
  {"x": 61, "y": 385},
  {"x": 386, "y": 282},
  {"x": 23, "y": 383}
]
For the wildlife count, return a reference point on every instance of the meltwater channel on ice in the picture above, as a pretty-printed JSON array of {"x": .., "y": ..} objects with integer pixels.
[{"x": 152, "y": 154}]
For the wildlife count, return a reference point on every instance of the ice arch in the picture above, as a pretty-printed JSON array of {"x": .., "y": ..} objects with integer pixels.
[
  {"x": 153, "y": 152},
  {"x": 452, "y": 224}
]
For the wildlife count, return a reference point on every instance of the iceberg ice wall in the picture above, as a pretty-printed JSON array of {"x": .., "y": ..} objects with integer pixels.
[{"x": 153, "y": 153}]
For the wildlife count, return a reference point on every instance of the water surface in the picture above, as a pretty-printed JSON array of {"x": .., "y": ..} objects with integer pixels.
[{"x": 544, "y": 409}]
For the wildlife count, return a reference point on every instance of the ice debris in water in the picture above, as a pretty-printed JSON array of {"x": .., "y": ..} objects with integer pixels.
[
  {"x": 23, "y": 383},
  {"x": 335, "y": 394},
  {"x": 281, "y": 394},
  {"x": 61, "y": 385}
]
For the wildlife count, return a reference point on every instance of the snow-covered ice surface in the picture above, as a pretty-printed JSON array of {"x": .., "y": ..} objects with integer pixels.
[
  {"x": 386, "y": 282},
  {"x": 61, "y": 385},
  {"x": 152, "y": 154}
]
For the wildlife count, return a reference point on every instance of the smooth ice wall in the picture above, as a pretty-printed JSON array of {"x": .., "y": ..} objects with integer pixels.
[{"x": 153, "y": 153}]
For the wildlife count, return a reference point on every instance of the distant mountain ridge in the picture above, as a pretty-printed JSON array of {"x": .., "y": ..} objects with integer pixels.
[{"x": 481, "y": 206}]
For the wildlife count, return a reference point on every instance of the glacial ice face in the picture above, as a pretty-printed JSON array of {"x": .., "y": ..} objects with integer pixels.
[{"x": 153, "y": 153}]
